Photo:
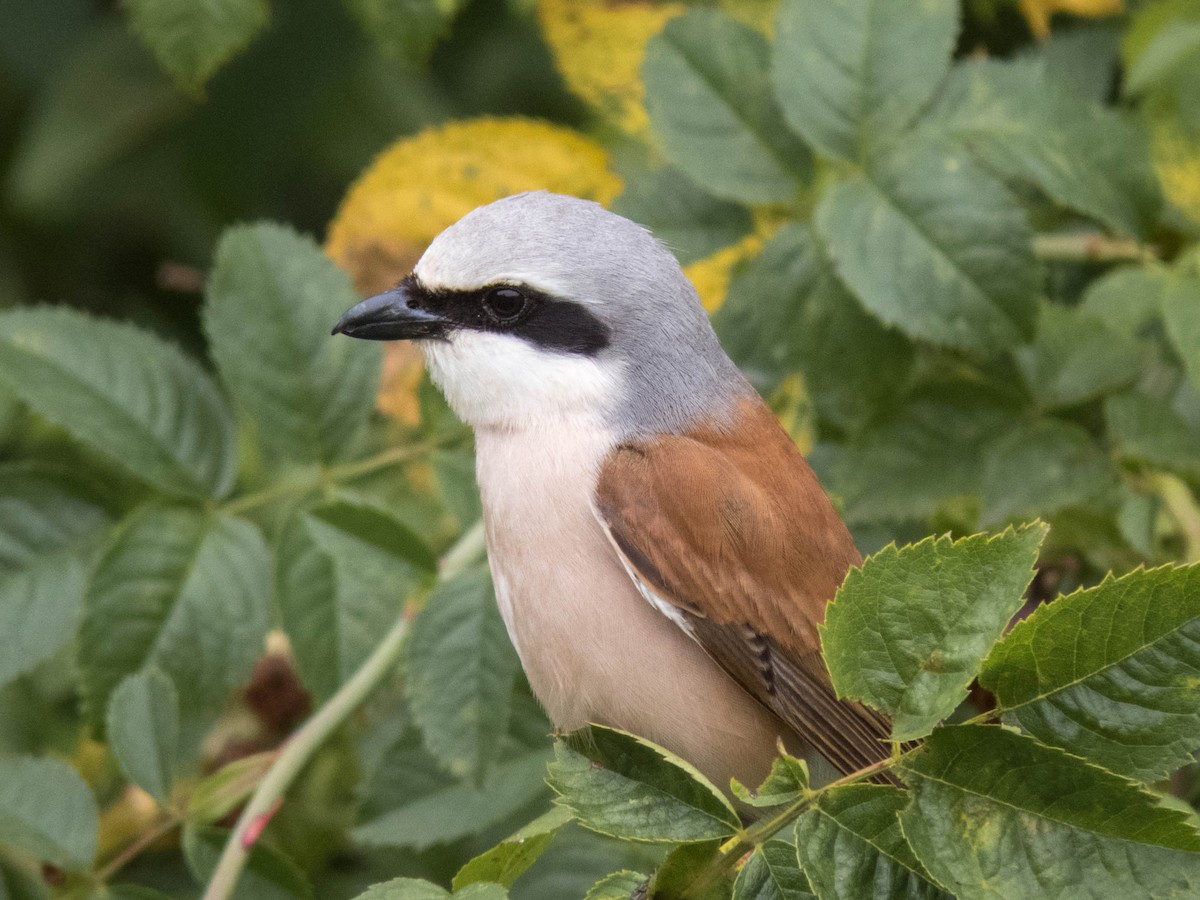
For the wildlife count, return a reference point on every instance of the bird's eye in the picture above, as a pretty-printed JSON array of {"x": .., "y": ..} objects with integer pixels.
[{"x": 504, "y": 305}]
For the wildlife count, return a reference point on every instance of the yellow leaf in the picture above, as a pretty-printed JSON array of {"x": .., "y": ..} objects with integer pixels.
[
  {"x": 1176, "y": 156},
  {"x": 1038, "y": 12},
  {"x": 793, "y": 407},
  {"x": 712, "y": 274},
  {"x": 599, "y": 45},
  {"x": 424, "y": 183}
]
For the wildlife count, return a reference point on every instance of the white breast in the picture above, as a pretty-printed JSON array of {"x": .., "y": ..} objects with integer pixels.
[{"x": 593, "y": 649}]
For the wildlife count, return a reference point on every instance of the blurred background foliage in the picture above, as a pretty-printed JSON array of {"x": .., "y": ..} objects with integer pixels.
[{"x": 135, "y": 134}]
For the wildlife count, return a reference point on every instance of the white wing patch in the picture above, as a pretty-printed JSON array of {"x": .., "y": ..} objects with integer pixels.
[{"x": 666, "y": 607}]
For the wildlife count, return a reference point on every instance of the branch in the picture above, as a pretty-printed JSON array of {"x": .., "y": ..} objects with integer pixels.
[
  {"x": 336, "y": 474},
  {"x": 760, "y": 832},
  {"x": 301, "y": 746},
  {"x": 1091, "y": 246}
]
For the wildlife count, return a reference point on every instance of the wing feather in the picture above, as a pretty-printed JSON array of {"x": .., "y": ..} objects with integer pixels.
[{"x": 729, "y": 534}]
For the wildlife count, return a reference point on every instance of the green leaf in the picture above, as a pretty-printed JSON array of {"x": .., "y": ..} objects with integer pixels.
[
  {"x": 617, "y": 886},
  {"x": 482, "y": 892},
  {"x": 626, "y": 787},
  {"x": 193, "y": 40},
  {"x": 772, "y": 873},
  {"x": 143, "y": 730},
  {"x": 1149, "y": 430},
  {"x": 127, "y": 394},
  {"x": 907, "y": 632},
  {"x": 404, "y": 889},
  {"x": 932, "y": 244},
  {"x": 270, "y": 302},
  {"x": 223, "y": 791},
  {"x": 454, "y": 478},
  {"x": 184, "y": 592},
  {"x": 460, "y": 670},
  {"x": 1037, "y": 131},
  {"x": 853, "y": 365},
  {"x": 343, "y": 572},
  {"x": 785, "y": 783},
  {"x": 852, "y": 74},
  {"x": 708, "y": 93},
  {"x": 1076, "y": 357},
  {"x": 997, "y": 815},
  {"x": 1127, "y": 299},
  {"x": 47, "y": 810},
  {"x": 692, "y": 223},
  {"x": 458, "y": 809},
  {"x": 850, "y": 846},
  {"x": 414, "y": 889},
  {"x": 676, "y": 873},
  {"x": 785, "y": 312},
  {"x": 106, "y": 100},
  {"x": 269, "y": 875},
  {"x": 408, "y": 30},
  {"x": 1167, "y": 53},
  {"x": 1136, "y": 519},
  {"x": 128, "y": 892},
  {"x": 1040, "y": 468},
  {"x": 506, "y": 862},
  {"x": 1181, "y": 314},
  {"x": 924, "y": 453},
  {"x": 1109, "y": 673},
  {"x": 761, "y": 322},
  {"x": 44, "y": 523}
]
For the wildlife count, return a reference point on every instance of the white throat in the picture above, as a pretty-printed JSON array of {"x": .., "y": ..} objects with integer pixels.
[{"x": 500, "y": 381}]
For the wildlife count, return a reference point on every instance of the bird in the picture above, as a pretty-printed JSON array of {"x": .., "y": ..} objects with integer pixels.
[{"x": 661, "y": 551}]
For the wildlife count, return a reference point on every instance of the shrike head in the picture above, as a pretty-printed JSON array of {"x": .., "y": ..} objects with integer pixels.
[{"x": 540, "y": 307}]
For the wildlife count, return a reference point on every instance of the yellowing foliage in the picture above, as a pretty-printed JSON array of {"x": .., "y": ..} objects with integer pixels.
[
  {"x": 1177, "y": 159},
  {"x": 599, "y": 45},
  {"x": 712, "y": 274},
  {"x": 422, "y": 184},
  {"x": 1038, "y": 12}
]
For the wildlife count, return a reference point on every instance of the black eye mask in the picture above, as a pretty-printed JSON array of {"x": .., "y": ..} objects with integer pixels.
[{"x": 534, "y": 316}]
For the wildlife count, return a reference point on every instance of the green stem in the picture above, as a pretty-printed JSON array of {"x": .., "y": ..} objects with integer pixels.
[
  {"x": 302, "y": 745},
  {"x": 334, "y": 474},
  {"x": 266, "y": 495},
  {"x": 1177, "y": 497},
  {"x": 760, "y": 832},
  {"x": 1090, "y": 246},
  {"x": 393, "y": 457},
  {"x": 161, "y": 828}
]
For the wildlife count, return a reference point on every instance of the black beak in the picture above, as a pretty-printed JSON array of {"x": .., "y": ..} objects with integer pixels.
[{"x": 391, "y": 316}]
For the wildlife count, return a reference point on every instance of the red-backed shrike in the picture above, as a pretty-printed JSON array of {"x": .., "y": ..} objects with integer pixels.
[{"x": 662, "y": 553}]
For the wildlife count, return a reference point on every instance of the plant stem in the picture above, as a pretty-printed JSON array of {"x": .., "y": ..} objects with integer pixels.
[
  {"x": 163, "y": 827},
  {"x": 345, "y": 472},
  {"x": 302, "y": 745},
  {"x": 1090, "y": 246},
  {"x": 266, "y": 495},
  {"x": 1181, "y": 504},
  {"x": 392, "y": 457},
  {"x": 761, "y": 831}
]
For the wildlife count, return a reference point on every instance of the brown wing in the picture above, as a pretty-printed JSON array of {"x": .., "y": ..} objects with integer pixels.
[{"x": 729, "y": 532}]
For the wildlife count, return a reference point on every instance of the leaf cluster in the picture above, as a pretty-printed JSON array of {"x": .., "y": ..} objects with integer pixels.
[{"x": 969, "y": 285}]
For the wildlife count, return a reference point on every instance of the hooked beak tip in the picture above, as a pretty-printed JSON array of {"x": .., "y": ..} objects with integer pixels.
[{"x": 390, "y": 316}]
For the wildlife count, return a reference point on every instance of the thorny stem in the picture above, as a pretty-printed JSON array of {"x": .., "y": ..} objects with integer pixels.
[
  {"x": 764, "y": 829},
  {"x": 301, "y": 746}
]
